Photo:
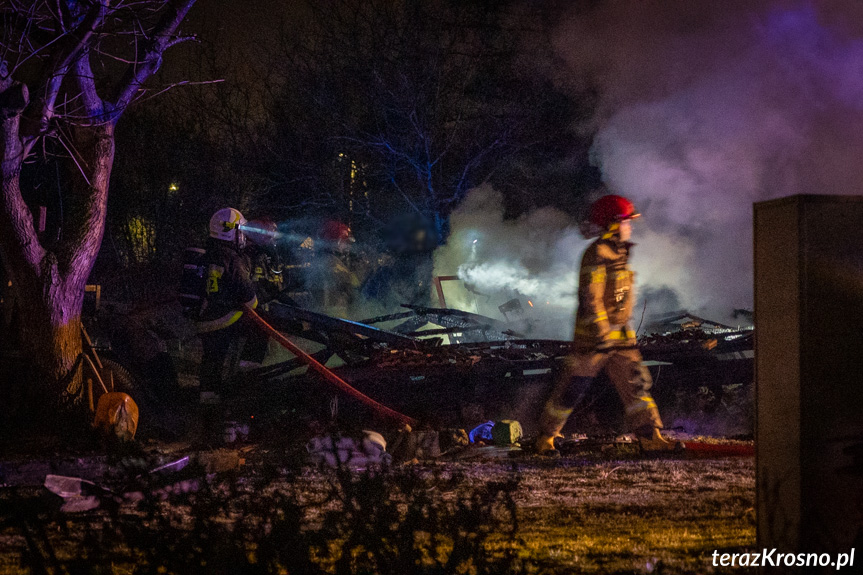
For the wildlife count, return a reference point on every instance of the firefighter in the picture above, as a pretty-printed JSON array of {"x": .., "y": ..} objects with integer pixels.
[
  {"x": 331, "y": 275},
  {"x": 229, "y": 288},
  {"x": 267, "y": 267},
  {"x": 604, "y": 338}
]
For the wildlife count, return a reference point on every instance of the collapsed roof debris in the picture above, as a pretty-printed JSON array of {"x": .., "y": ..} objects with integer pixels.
[{"x": 485, "y": 361}]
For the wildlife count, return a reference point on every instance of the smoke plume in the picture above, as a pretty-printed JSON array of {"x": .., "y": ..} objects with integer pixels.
[
  {"x": 707, "y": 107},
  {"x": 533, "y": 258}
]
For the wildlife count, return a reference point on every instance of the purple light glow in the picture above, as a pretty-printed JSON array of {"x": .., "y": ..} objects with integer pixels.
[{"x": 707, "y": 108}]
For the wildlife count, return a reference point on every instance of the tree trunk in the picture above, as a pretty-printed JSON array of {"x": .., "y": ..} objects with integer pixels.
[
  {"x": 48, "y": 277},
  {"x": 49, "y": 285},
  {"x": 51, "y": 336}
]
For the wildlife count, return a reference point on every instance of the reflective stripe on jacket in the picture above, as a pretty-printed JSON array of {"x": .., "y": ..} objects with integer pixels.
[
  {"x": 605, "y": 295},
  {"x": 229, "y": 287}
]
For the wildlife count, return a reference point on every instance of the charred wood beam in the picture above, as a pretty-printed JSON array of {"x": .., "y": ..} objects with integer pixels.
[
  {"x": 412, "y": 324},
  {"x": 279, "y": 369},
  {"x": 456, "y": 317},
  {"x": 389, "y": 317},
  {"x": 686, "y": 315},
  {"x": 332, "y": 325},
  {"x": 449, "y": 330}
]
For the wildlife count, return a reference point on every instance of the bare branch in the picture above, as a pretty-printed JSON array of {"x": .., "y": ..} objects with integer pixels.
[
  {"x": 61, "y": 15},
  {"x": 180, "y": 40},
  {"x": 405, "y": 196},
  {"x": 178, "y": 84},
  {"x": 17, "y": 222},
  {"x": 66, "y": 57},
  {"x": 74, "y": 155},
  {"x": 36, "y": 52},
  {"x": 94, "y": 107},
  {"x": 161, "y": 39}
]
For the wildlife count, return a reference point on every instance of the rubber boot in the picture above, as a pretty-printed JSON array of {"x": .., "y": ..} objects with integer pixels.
[
  {"x": 545, "y": 446},
  {"x": 654, "y": 442}
]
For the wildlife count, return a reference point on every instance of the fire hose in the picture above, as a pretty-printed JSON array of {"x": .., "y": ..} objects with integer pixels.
[{"x": 328, "y": 375}]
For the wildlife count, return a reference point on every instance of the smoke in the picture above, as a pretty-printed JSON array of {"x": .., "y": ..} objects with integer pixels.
[
  {"x": 536, "y": 258},
  {"x": 707, "y": 107},
  {"x": 533, "y": 258}
]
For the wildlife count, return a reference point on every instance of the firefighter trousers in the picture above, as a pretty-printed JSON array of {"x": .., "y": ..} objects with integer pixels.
[
  {"x": 216, "y": 347},
  {"x": 631, "y": 380}
]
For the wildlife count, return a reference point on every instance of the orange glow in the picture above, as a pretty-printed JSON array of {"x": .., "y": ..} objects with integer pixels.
[{"x": 530, "y": 303}]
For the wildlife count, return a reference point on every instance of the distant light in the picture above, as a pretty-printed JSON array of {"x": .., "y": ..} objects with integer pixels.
[
  {"x": 475, "y": 241},
  {"x": 530, "y": 303},
  {"x": 173, "y": 187},
  {"x": 548, "y": 303}
]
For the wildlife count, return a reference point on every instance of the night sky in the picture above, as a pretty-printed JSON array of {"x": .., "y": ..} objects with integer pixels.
[{"x": 701, "y": 110}]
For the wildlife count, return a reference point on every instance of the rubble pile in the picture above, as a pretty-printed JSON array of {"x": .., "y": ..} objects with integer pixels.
[{"x": 687, "y": 339}]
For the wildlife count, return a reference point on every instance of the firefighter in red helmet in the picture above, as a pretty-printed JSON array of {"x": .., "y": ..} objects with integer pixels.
[
  {"x": 336, "y": 235},
  {"x": 332, "y": 277},
  {"x": 267, "y": 267},
  {"x": 604, "y": 338}
]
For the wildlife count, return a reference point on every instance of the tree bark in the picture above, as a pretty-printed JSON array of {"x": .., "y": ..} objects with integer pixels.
[
  {"x": 51, "y": 334},
  {"x": 49, "y": 285}
]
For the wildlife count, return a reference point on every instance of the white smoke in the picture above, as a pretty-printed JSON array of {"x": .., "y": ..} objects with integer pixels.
[
  {"x": 533, "y": 258},
  {"x": 536, "y": 258},
  {"x": 704, "y": 108},
  {"x": 707, "y": 107}
]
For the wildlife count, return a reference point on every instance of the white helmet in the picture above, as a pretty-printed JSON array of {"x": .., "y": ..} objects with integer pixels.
[{"x": 225, "y": 225}]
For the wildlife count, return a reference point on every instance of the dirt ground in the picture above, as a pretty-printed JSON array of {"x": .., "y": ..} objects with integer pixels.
[
  {"x": 636, "y": 516},
  {"x": 616, "y": 513}
]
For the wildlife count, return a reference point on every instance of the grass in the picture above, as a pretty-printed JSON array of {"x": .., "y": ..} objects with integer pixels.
[
  {"x": 634, "y": 516},
  {"x": 573, "y": 515}
]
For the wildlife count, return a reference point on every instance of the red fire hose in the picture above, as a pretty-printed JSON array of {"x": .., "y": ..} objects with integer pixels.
[
  {"x": 326, "y": 373},
  {"x": 702, "y": 449}
]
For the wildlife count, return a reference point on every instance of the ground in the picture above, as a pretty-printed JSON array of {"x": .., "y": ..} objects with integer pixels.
[
  {"x": 594, "y": 513},
  {"x": 638, "y": 516}
]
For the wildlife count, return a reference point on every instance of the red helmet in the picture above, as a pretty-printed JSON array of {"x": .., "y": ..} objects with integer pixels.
[
  {"x": 611, "y": 209},
  {"x": 336, "y": 231},
  {"x": 262, "y": 231}
]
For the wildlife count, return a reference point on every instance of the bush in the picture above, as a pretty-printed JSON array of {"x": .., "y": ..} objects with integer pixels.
[{"x": 399, "y": 521}]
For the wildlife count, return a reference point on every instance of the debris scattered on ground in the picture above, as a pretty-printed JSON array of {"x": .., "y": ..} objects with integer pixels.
[
  {"x": 172, "y": 466},
  {"x": 452, "y": 439},
  {"x": 488, "y": 452},
  {"x": 235, "y": 431},
  {"x": 78, "y": 494},
  {"x": 481, "y": 432},
  {"x": 219, "y": 460},
  {"x": 410, "y": 445},
  {"x": 506, "y": 432},
  {"x": 362, "y": 451}
]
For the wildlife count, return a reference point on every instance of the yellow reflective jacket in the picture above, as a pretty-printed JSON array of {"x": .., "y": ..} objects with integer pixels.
[
  {"x": 605, "y": 296},
  {"x": 229, "y": 287}
]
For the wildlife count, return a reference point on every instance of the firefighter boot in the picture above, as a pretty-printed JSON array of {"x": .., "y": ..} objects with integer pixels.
[
  {"x": 545, "y": 446},
  {"x": 654, "y": 442}
]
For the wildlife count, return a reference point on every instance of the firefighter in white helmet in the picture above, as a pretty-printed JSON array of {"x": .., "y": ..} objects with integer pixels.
[{"x": 229, "y": 288}]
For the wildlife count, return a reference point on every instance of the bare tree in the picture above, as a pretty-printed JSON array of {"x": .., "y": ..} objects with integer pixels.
[
  {"x": 395, "y": 106},
  {"x": 69, "y": 69}
]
